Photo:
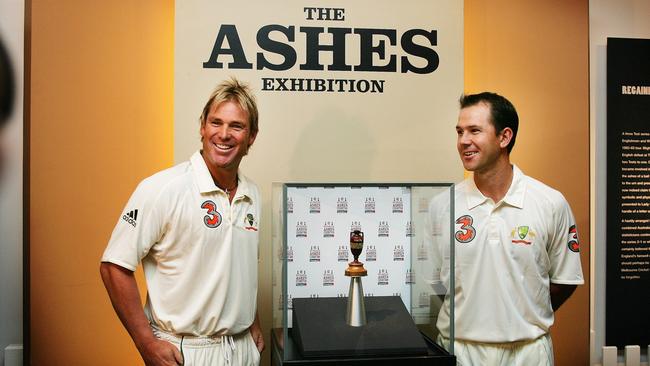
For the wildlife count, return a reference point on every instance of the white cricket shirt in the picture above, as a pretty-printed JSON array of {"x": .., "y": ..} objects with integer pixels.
[
  {"x": 506, "y": 256},
  {"x": 199, "y": 252}
]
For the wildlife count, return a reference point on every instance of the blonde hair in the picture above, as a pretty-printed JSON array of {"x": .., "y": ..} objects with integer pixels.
[{"x": 234, "y": 90}]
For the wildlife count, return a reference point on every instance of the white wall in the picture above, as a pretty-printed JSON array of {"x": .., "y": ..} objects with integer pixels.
[
  {"x": 11, "y": 211},
  {"x": 607, "y": 18},
  {"x": 11, "y": 187}
]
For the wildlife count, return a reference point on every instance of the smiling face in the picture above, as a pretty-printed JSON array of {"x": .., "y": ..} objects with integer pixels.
[
  {"x": 226, "y": 136},
  {"x": 479, "y": 145}
]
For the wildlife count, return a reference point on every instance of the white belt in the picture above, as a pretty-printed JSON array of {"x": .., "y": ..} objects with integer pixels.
[{"x": 227, "y": 341}]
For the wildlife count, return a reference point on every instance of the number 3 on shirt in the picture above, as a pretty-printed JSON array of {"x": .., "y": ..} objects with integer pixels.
[
  {"x": 213, "y": 218},
  {"x": 467, "y": 232}
]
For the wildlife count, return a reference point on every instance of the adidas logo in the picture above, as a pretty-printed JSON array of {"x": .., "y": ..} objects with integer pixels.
[{"x": 131, "y": 217}]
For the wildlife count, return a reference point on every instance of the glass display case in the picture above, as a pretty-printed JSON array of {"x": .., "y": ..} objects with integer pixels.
[{"x": 408, "y": 254}]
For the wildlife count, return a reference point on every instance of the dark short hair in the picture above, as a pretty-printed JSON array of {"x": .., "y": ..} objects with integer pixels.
[
  {"x": 502, "y": 113},
  {"x": 6, "y": 86}
]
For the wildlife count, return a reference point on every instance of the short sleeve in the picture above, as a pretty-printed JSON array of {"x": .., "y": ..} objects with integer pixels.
[
  {"x": 138, "y": 228},
  {"x": 436, "y": 237},
  {"x": 564, "y": 248}
]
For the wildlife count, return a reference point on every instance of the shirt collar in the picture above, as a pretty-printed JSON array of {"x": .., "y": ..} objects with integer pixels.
[
  {"x": 517, "y": 190},
  {"x": 205, "y": 181},
  {"x": 514, "y": 196},
  {"x": 473, "y": 195}
]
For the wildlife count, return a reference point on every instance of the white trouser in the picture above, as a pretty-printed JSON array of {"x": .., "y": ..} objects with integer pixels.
[
  {"x": 538, "y": 352},
  {"x": 226, "y": 350}
]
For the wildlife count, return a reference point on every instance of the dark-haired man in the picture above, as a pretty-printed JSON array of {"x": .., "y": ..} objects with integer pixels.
[{"x": 516, "y": 248}]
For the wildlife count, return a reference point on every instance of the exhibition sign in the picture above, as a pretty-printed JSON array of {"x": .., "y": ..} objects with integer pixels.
[
  {"x": 347, "y": 91},
  {"x": 628, "y": 192}
]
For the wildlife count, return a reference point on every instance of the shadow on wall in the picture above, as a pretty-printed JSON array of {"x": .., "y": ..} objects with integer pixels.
[{"x": 336, "y": 146}]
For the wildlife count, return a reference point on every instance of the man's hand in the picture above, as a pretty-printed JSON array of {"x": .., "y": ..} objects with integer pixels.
[
  {"x": 160, "y": 353},
  {"x": 256, "y": 333},
  {"x": 123, "y": 292}
]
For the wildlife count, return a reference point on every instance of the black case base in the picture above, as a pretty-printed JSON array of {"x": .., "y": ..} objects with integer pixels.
[{"x": 319, "y": 328}]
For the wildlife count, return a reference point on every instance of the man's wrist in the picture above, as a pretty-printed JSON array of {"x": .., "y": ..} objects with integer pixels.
[{"x": 144, "y": 340}]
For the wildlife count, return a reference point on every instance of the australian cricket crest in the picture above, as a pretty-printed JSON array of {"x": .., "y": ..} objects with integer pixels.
[
  {"x": 250, "y": 222},
  {"x": 522, "y": 235}
]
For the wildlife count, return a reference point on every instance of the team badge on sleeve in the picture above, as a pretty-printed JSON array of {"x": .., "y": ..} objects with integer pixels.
[
  {"x": 213, "y": 217},
  {"x": 574, "y": 243}
]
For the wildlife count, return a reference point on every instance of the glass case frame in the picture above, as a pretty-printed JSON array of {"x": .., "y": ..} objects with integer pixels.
[{"x": 426, "y": 291}]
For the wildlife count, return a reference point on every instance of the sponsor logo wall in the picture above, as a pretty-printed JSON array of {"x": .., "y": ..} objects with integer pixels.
[{"x": 319, "y": 222}]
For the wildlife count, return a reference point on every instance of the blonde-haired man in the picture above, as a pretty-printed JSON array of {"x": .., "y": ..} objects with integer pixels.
[{"x": 195, "y": 229}]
